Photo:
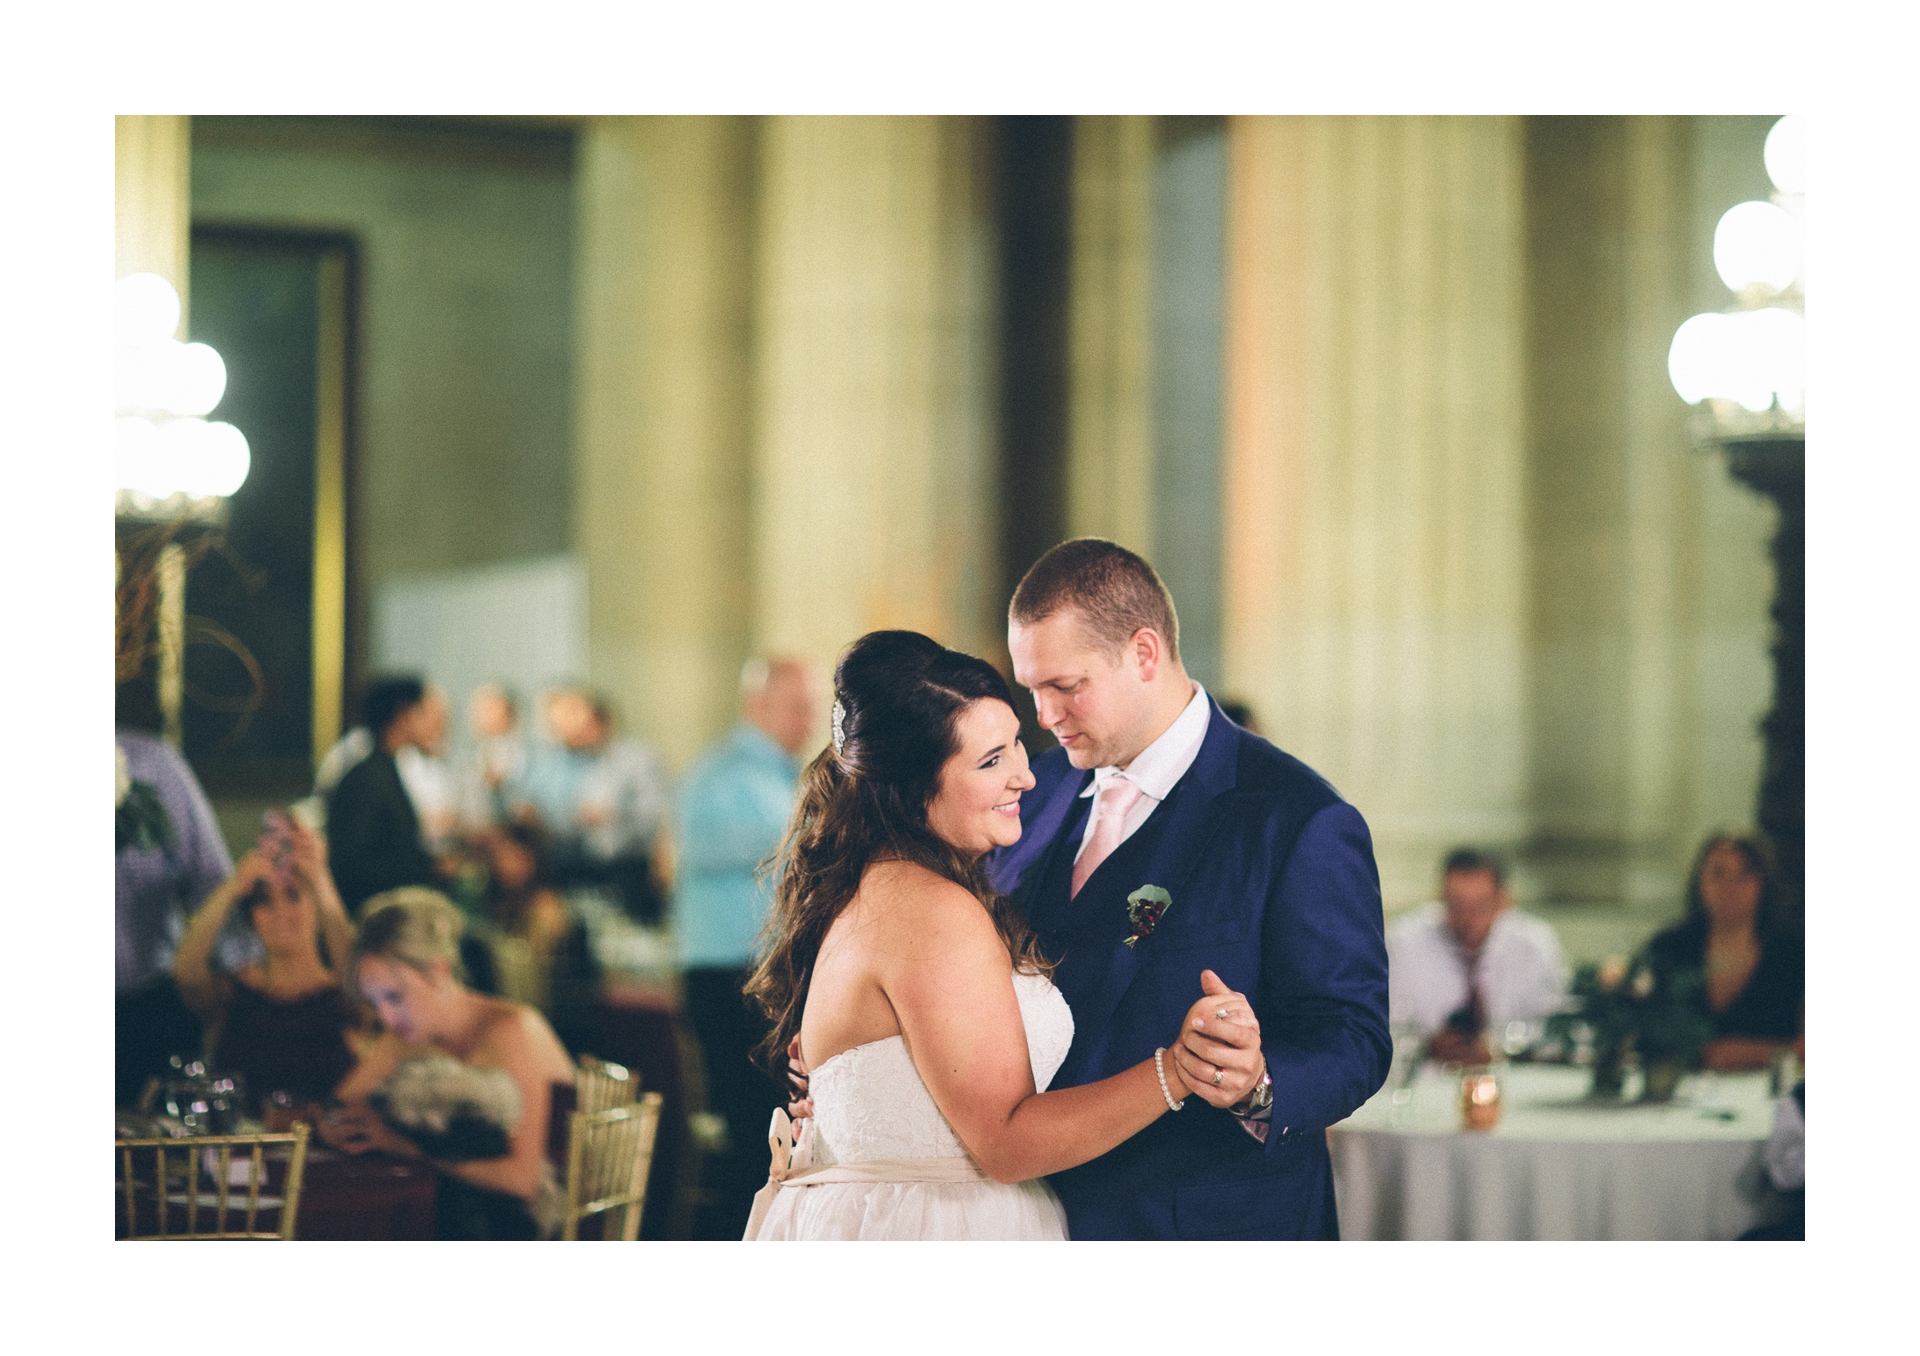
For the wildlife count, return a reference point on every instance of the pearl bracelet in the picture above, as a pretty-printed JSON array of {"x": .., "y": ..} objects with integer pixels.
[{"x": 1160, "y": 1073}]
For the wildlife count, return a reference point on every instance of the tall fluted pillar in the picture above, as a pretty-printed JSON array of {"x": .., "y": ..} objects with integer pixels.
[
  {"x": 1374, "y": 517},
  {"x": 661, "y": 515},
  {"x": 1639, "y": 703},
  {"x": 873, "y": 409},
  {"x": 151, "y": 200},
  {"x": 1110, "y": 468}
]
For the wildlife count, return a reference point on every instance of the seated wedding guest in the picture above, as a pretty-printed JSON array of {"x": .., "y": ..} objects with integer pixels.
[
  {"x": 1733, "y": 934},
  {"x": 488, "y": 783},
  {"x": 281, "y": 1024},
  {"x": 168, "y": 857},
  {"x": 602, "y": 802},
  {"x": 521, "y": 902},
  {"x": 373, "y": 829},
  {"x": 1466, "y": 965},
  {"x": 460, "y": 1078},
  {"x": 731, "y": 810}
]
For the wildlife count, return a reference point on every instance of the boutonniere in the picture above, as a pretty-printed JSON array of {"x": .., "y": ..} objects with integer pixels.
[{"x": 1144, "y": 907}]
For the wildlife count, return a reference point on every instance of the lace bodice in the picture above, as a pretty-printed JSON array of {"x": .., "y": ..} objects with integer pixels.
[{"x": 869, "y": 1102}]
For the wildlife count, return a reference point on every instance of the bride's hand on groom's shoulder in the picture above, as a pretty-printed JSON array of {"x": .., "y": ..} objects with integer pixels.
[
  {"x": 801, "y": 1107},
  {"x": 1219, "y": 1056}
]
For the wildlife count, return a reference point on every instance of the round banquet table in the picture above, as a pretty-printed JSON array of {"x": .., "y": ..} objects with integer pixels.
[{"x": 1557, "y": 1165}]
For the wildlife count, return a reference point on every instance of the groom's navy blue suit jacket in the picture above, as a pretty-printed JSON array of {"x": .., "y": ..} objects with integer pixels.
[{"x": 1274, "y": 888}]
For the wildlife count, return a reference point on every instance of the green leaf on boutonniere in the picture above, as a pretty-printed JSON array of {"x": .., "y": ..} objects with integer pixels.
[{"x": 1144, "y": 907}]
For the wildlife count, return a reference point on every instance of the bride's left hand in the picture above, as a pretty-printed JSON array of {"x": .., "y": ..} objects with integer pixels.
[
  {"x": 801, "y": 1107},
  {"x": 1220, "y": 1039}
]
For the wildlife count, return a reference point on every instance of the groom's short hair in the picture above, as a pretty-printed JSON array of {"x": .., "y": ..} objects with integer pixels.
[{"x": 1113, "y": 590}]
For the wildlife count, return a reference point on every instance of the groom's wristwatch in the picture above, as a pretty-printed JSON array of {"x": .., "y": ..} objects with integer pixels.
[{"x": 1259, "y": 1102}]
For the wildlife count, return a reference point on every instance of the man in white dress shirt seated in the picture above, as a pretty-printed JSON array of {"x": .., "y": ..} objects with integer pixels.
[{"x": 1464, "y": 966}]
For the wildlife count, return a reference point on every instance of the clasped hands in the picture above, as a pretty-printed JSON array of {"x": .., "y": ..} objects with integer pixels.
[{"x": 1216, "y": 1056}]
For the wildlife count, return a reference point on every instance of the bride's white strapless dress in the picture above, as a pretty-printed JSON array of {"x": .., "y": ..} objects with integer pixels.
[{"x": 870, "y": 1107}]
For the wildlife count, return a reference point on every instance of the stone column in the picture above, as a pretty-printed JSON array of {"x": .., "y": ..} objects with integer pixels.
[
  {"x": 1110, "y": 467},
  {"x": 873, "y": 409},
  {"x": 1630, "y": 705},
  {"x": 151, "y": 201},
  {"x": 1374, "y": 518},
  {"x": 661, "y": 516}
]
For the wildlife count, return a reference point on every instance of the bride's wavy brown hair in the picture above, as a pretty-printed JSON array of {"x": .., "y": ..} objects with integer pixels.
[{"x": 901, "y": 695}]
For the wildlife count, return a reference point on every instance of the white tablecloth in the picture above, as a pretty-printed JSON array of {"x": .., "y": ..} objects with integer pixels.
[{"x": 1556, "y": 1166}]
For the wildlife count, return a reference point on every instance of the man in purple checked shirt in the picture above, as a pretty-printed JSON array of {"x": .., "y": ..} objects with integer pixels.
[{"x": 154, "y": 891}]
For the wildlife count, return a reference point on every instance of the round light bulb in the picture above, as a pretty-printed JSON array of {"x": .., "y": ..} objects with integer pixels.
[
  {"x": 136, "y": 448},
  {"x": 146, "y": 308},
  {"x": 180, "y": 456},
  {"x": 1786, "y": 155},
  {"x": 225, "y": 459},
  {"x": 143, "y": 375},
  {"x": 1757, "y": 243},
  {"x": 196, "y": 379},
  {"x": 1697, "y": 360}
]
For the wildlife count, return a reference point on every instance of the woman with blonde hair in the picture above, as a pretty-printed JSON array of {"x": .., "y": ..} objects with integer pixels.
[{"x": 458, "y": 1077}]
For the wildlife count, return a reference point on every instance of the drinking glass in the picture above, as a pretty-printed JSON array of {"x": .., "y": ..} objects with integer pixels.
[{"x": 1479, "y": 1097}]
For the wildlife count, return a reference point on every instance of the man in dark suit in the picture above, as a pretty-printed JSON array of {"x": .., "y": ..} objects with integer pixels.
[
  {"x": 373, "y": 830},
  {"x": 1264, "y": 883}
]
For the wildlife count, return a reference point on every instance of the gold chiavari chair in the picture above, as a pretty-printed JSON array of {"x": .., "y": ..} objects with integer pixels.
[
  {"x": 183, "y": 1188},
  {"x": 608, "y": 1156},
  {"x": 601, "y": 1086}
]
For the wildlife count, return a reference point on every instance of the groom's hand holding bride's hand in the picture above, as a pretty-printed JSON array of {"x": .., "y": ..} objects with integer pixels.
[{"x": 1220, "y": 1038}]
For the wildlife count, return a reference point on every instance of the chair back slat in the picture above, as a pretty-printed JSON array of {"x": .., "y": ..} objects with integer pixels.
[
  {"x": 608, "y": 1158},
  {"x": 219, "y": 1149},
  {"x": 601, "y": 1086}
]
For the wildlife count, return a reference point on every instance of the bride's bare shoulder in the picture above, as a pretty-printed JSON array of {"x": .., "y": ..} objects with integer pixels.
[{"x": 909, "y": 901}]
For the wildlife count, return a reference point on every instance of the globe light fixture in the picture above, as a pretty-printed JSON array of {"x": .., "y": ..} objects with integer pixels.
[
  {"x": 1786, "y": 155},
  {"x": 1757, "y": 245},
  {"x": 1744, "y": 368},
  {"x": 169, "y": 462}
]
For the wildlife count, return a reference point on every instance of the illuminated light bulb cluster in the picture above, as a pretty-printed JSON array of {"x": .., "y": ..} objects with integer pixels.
[
  {"x": 163, "y": 388},
  {"x": 1754, "y": 356}
]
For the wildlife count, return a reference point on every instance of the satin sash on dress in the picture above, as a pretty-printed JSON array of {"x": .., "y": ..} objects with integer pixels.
[{"x": 791, "y": 1167}]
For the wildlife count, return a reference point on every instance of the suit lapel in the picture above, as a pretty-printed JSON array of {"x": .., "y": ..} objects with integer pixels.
[{"x": 1195, "y": 814}]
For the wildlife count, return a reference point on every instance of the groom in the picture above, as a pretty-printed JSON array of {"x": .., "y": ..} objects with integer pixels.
[{"x": 1267, "y": 879}]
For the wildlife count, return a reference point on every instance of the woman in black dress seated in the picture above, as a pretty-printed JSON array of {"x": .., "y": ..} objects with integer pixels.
[
  {"x": 461, "y": 1078},
  {"x": 1754, "y": 972},
  {"x": 281, "y": 1024}
]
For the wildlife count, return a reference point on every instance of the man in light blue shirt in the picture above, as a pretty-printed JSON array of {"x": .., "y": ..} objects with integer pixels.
[{"x": 732, "y": 811}]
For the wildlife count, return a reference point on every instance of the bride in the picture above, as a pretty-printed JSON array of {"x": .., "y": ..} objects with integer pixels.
[{"x": 923, "y": 1012}]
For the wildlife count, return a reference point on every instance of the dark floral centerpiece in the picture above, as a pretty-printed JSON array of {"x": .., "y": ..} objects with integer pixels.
[
  {"x": 1623, "y": 1010},
  {"x": 139, "y": 817}
]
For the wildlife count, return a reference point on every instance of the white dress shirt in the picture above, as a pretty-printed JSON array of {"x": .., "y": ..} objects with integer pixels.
[
  {"x": 1158, "y": 767},
  {"x": 1523, "y": 975}
]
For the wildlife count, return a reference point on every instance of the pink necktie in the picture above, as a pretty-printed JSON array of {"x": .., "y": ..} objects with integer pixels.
[{"x": 1110, "y": 809}]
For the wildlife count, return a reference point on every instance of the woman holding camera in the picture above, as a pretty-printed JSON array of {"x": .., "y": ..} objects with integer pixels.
[{"x": 282, "y": 1022}]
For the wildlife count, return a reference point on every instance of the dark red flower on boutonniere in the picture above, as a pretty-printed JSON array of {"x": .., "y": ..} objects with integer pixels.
[{"x": 1144, "y": 907}]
